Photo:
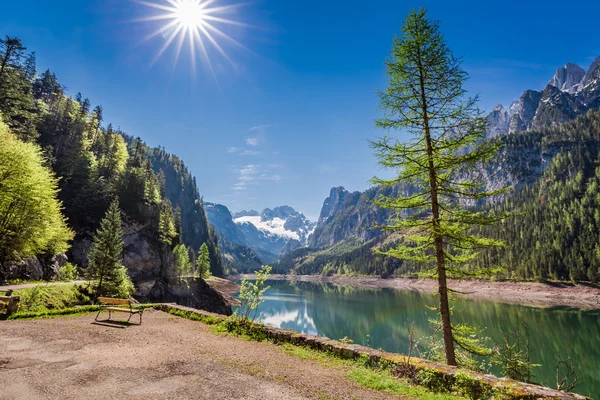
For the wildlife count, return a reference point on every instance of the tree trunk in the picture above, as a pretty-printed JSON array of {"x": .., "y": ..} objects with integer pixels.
[
  {"x": 4, "y": 62},
  {"x": 437, "y": 236}
]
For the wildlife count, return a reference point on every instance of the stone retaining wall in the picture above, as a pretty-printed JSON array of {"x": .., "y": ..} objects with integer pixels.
[{"x": 499, "y": 387}]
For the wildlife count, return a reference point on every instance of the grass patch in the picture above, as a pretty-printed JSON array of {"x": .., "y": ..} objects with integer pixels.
[
  {"x": 54, "y": 313},
  {"x": 377, "y": 379},
  {"x": 45, "y": 298}
]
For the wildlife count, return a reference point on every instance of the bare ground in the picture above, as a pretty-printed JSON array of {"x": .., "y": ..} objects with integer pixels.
[
  {"x": 164, "y": 358},
  {"x": 526, "y": 293}
]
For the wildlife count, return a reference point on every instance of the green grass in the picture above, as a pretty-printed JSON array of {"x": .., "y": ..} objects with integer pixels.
[
  {"x": 53, "y": 313},
  {"x": 377, "y": 379},
  {"x": 46, "y": 298}
]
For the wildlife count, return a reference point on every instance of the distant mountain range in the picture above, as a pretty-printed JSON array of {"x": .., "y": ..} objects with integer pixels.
[
  {"x": 548, "y": 159},
  {"x": 541, "y": 147},
  {"x": 268, "y": 234},
  {"x": 571, "y": 92}
]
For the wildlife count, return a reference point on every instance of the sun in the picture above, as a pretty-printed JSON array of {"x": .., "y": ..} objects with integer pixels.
[
  {"x": 189, "y": 13},
  {"x": 198, "y": 22}
]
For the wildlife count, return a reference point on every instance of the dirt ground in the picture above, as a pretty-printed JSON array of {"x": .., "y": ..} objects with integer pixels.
[
  {"x": 533, "y": 294},
  {"x": 164, "y": 358}
]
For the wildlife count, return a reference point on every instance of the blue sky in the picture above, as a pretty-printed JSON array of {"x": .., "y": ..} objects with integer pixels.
[{"x": 293, "y": 118}]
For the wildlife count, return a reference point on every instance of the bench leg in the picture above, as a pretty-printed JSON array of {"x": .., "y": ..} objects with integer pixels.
[{"x": 97, "y": 315}]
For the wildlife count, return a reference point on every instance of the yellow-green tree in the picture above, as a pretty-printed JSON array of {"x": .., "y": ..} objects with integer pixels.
[{"x": 31, "y": 221}]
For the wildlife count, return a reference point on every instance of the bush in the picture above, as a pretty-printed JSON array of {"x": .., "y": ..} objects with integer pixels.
[{"x": 68, "y": 272}]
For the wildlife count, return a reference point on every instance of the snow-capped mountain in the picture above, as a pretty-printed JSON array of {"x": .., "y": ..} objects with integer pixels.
[
  {"x": 269, "y": 234},
  {"x": 277, "y": 230},
  {"x": 570, "y": 92}
]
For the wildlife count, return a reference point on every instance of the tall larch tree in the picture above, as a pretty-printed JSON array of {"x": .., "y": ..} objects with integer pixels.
[{"x": 426, "y": 99}]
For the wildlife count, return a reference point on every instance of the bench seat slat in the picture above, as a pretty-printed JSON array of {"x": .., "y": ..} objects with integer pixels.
[{"x": 121, "y": 309}]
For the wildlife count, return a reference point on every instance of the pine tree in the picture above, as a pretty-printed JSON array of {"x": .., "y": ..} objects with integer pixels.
[
  {"x": 203, "y": 262},
  {"x": 105, "y": 256},
  {"x": 425, "y": 97},
  {"x": 183, "y": 265}
]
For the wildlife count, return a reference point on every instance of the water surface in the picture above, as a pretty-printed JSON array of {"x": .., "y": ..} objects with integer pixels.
[{"x": 380, "y": 318}]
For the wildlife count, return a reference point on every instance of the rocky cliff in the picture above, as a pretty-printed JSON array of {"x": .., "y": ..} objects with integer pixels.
[{"x": 569, "y": 93}]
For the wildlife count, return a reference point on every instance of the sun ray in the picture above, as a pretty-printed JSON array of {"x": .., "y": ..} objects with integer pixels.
[
  {"x": 179, "y": 46},
  {"x": 230, "y": 22},
  {"x": 192, "y": 50},
  {"x": 158, "y": 6},
  {"x": 203, "y": 48},
  {"x": 207, "y": 3},
  {"x": 167, "y": 43},
  {"x": 225, "y": 8},
  {"x": 153, "y": 18},
  {"x": 214, "y": 42},
  {"x": 159, "y": 31},
  {"x": 225, "y": 36}
]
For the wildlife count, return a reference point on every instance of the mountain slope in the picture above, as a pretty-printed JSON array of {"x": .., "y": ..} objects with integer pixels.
[
  {"x": 236, "y": 255},
  {"x": 569, "y": 93}
]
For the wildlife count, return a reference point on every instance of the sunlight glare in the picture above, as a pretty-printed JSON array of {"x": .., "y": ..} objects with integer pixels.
[{"x": 194, "y": 21}]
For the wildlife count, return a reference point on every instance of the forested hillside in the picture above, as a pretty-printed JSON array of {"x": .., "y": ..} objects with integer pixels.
[
  {"x": 553, "y": 231},
  {"x": 96, "y": 163}
]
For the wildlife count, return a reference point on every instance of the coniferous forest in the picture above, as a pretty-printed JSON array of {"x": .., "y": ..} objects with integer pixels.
[{"x": 95, "y": 163}]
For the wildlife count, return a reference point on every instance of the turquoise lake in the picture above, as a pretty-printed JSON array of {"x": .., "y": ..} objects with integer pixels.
[{"x": 380, "y": 318}]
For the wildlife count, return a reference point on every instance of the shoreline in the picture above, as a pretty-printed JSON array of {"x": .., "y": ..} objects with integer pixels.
[{"x": 546, "y": 295}]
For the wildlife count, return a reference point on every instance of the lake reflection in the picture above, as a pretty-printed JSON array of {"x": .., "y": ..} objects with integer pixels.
[{"x": 380, "y": 318}]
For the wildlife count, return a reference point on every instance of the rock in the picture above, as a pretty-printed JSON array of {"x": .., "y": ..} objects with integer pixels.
[
  {"x": 591, "y": 75},
  {"x": 28, "y": 268},
  {"x": 568, "y": 78},
  {"x": 556, "y": 107},
  {"x": 52, "y": 265},
  {"x": 524, "y": 111},
  {"x": 190, "y": 292},
  {"x": 498, "y": 121}
]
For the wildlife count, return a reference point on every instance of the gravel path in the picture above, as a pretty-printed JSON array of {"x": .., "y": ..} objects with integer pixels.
[{"x": 164, "y": 358}]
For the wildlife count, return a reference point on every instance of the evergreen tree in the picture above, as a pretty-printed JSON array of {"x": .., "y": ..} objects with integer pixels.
[
  {"x": 105, "y": 256},
  {"x": 203, "y": 262},
  {"x": 183, "y": 266},
  {"x": 426, "y": 98}
]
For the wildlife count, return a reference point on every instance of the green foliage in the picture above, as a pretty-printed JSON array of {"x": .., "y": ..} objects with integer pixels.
[
  {"x": 45, "y": 298},
  {"x": 96, "y": 163},
  {"x": 251, "y": 293},
  {"x": 554, "y": 232},
  {"x": 32, "y": 222},
  {"x": 54, "y": 312},
  {"x": 347, "y": 257},
  {"x": 68, "y": 272},
  {"x": 203, "y": 262},
  {"x": 181, "y": 190},
  {"x": 511, "y": 353},
  {"x": 182, "y": 261},
  {"x": 426, "y": 98},
  {"x": 105, "y": 257}
]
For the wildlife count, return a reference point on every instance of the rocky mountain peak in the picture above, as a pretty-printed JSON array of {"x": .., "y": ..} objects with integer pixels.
[
  {"x": 568, "y": 78},
  {"x": 593, "y": 74},
  {"x": 282, "y": 212},
  {"x": 524, "y": 111},
  {"x": 332, "y": 203},
  {"x": 498, "y": 121},
  {"x": 244, "y": 213}
]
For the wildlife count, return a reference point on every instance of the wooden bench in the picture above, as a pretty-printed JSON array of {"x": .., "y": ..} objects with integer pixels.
[
  {"x": 111, "y": 305},
  {"x": 9, "y": 303}
]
